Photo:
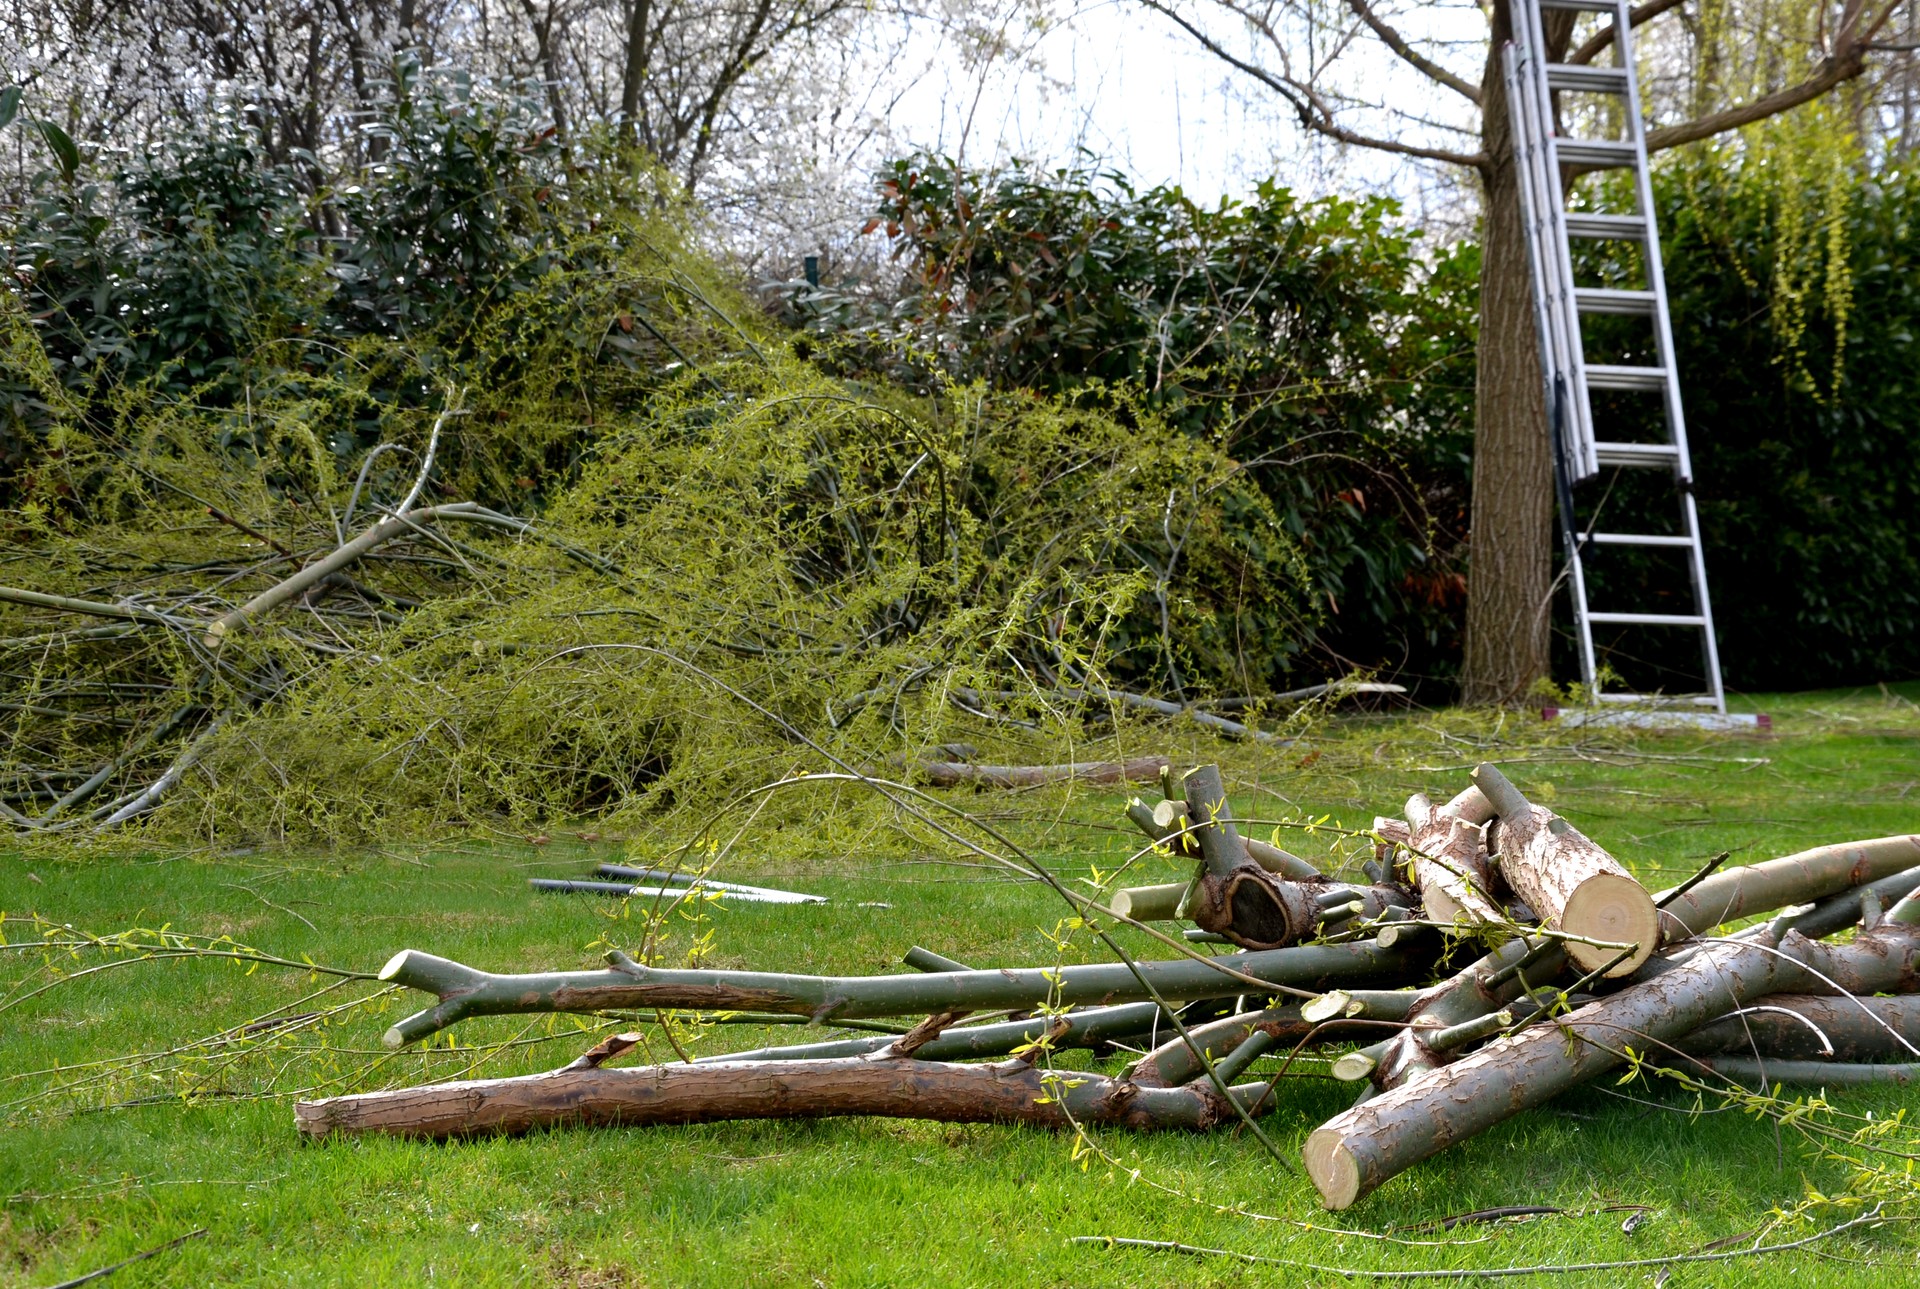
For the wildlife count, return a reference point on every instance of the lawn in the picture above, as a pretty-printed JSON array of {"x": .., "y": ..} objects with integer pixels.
[{"x": 121, "y": 1160}]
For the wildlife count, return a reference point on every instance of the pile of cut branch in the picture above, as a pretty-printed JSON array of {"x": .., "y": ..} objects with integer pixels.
[{"x": 1490, "y": 957}]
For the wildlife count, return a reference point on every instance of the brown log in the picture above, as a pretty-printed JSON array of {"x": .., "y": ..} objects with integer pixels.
[
  {"x": 1571, "y": 883},
  {"x": 953, "y": 774},
  {"x": 1357, "y": 1150},
  {"x": 1006, "y": 1092}
]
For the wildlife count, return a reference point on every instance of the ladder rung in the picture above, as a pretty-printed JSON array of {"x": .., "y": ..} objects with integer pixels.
[
  {"x": 1636, "y": 454},
  {"x": 1600, "y": 376},
  {"x": 1626, "y": 227},
  {"x": 1586, "y": 80},
  {"x": 1608, "y": 300},
  {"x": 1694, "y": 700},
  {"x": 1650, "y": 619},
  {"x": 1579, "y": 6},
  {"x": 1637, "y": 539},
  {"x": 1600, "y": 154}
]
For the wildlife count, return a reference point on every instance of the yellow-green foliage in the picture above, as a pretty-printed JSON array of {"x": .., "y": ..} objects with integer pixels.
[{"x": 730, "y": 554}]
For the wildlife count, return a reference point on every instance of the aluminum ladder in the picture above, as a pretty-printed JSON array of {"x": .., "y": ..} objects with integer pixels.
[{"x": 1559, "y": 305}]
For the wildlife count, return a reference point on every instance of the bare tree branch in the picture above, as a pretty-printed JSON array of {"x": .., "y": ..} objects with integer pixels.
[
  {"x": 1604, "y": 37},
  {"x": 1320, "y": 122},
  {"x": 1848, "y": 61},
  {"x": 1398, "y": 44}
]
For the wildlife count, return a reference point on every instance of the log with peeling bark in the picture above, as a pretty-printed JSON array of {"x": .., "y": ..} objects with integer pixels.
[
  {"x": 464, "y": 991},
  {"x": 1367, "y": 1145},
  {"x": 1450, "y": 864},
  {"x": 1570, "y": 882}
]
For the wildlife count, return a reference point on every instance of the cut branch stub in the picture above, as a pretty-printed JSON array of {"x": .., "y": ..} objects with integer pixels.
[
  {"x": 1238, "y": 898},
  {"x": 1166, "y": 823},
  {"x": 1571, "y": 883}
]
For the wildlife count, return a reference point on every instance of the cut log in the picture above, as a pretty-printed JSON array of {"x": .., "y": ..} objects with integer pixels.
[
  {"x": 1450, "y": 865},
  {"x": 1011, "y": 1092},
  {"x": 464, "y": 992},
  {"x": 1811, "y": 1027},
  {"x": 1366, "y": 1145},
  {"x": 1735, "y": 893},
  {"x": 1570, "y": 883}
]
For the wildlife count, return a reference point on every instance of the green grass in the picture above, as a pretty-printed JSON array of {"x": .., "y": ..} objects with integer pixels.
[{"x": 859, "y": 1202}]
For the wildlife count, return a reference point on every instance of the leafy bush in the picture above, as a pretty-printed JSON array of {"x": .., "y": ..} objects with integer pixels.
[
  {"x": 1311, "y": 341},
  {"x": 1807, "y": 485},
  {"x": 714, "y": 549}
]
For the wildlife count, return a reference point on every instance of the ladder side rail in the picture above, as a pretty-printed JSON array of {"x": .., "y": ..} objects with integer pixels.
[
  {"x": 1656, "y": 272},
  {"x": 1663, "y": 336},
  {"x": 1563, "y": 304}
]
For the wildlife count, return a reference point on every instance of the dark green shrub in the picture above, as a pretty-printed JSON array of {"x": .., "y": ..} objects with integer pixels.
[{"x": 1311, "y": 341}]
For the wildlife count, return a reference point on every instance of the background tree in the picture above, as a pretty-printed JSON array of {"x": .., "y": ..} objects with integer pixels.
[{"x": 1721, "y": 67}]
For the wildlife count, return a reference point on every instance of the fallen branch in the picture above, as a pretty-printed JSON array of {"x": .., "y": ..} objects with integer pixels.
[
  {"x": 1869, "y": 1218},
  {"x": 953, "y": 774},
  {"x": 1014, "y": 1092},
  {"x": 465, "y": 992}
]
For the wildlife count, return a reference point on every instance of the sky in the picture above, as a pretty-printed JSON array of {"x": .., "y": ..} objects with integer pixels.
[{"x": 1141, "y": 95}]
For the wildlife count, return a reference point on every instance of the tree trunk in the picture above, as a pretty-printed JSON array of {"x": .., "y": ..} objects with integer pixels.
[{"x": 1510, "y": 545}]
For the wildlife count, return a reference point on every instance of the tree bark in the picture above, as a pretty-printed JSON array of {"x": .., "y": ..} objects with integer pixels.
[
  {"x": 1813, "y": 874},
  {"x": 1450, "y": 868},
  {"x": 1811, "y": 1027},
  {"x": 1511, "y": 538}
]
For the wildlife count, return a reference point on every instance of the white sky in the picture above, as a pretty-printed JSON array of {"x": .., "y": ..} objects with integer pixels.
[{"x": 1143, "y": 97}]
